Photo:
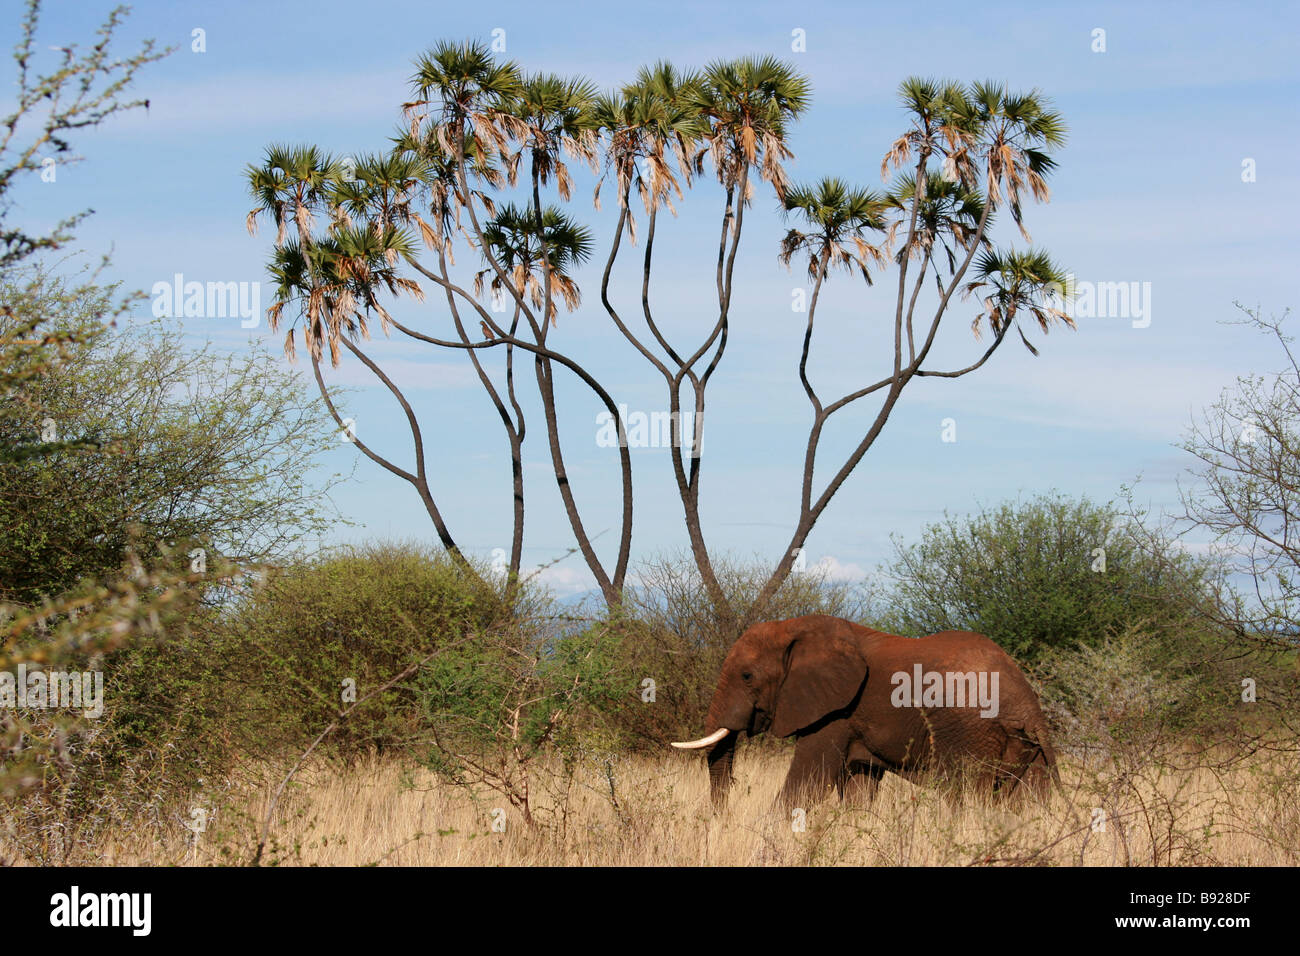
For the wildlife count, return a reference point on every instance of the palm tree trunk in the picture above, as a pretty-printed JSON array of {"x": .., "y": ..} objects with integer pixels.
[
  {"x": 611, "y": 588},
  {"x": 516, "y": 464}
]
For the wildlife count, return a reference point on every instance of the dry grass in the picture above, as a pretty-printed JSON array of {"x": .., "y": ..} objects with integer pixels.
[{"x": 643, "y": 811}]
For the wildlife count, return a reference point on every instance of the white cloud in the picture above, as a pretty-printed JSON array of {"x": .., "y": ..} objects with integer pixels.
[
  {"x": 837, "y": 570},
  {"x": 564, "y": 581}
]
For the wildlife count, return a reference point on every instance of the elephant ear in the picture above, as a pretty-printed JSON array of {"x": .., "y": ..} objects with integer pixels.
[{"x": 823, "y": 675}]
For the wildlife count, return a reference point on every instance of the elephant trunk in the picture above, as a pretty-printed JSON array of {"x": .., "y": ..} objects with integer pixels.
[
  {"x": 729, "y": 714},
  {"x": 735, "y": 712},
  {"x": 721, "y": 758}
]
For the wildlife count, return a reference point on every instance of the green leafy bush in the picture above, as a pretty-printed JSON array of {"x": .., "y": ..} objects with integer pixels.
[
  {"x": 320, "y": 634},
  {"x": 1031, "y": 576},
  {"x": 501, "y": 698}
]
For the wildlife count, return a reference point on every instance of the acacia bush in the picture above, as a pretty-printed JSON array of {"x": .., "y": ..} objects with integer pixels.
[
  {"x": 67, "y": 776},
  {"x": 1142, "y": 693},
  {"x": 148, "y": 443},
  {"x": 1029, "y": 575},
  {"x": 1111, "y": 696},
  {"x": 322, "y": 632},
  {"x": 502, "y": 698}
]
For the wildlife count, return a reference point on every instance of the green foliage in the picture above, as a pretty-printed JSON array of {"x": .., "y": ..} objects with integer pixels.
[
  {"x": 500, "y": 696},
  {"x": 150, "y": 443},
  {"x": 157, "y": 449},
  {"x": 39, "y": 750},
  {"x": 1140, "y": 694},
  {"x": 839, "y": 214},
  {"x": 1023, "y": 573},
  {"x": 1020, "y": 282},
  {"x": 34, "y": 347},
  {"x": 67, "y": 774},
  {"x": 1115, "y": 694},
  {"x": 355, "y": 618},
  {"x": 214, "y": 694}
]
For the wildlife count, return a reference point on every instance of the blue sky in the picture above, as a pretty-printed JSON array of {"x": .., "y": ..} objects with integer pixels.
[{"x": 1149, "y": 190}]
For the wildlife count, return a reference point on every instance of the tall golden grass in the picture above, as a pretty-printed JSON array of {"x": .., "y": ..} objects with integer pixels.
[{"x": 645, "y": 811}]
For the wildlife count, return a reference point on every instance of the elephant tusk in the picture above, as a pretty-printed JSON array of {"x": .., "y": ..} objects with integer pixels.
[{"x": 708, "y": 741}]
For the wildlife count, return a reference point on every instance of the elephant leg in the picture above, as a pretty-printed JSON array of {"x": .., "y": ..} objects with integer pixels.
[
  {"x": 859, "y": 786},
  {"x": 819, "y": 764},
  {"x": 1038, "y": 778},
  {"x": 1017, "y": 758}
]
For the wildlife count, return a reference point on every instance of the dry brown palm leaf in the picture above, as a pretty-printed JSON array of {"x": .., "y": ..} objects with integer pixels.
[
  {"x": 315, "y": 303},
  {"x": 897, "y": 155},
  {"x": 431, "y": 238},
  {"x": 312, "y": 341},
  {"x": 570, "y": 291},
  {"x": 1038, "y": 186},
  {"x": 411, "y": 288},
  {"x": 304, "y": 218}
]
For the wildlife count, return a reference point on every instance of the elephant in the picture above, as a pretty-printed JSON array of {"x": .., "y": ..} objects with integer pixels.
[{"x": 860, "y": 702}]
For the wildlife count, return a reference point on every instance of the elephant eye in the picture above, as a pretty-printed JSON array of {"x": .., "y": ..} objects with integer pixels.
[{"x": 747, "y": 676}]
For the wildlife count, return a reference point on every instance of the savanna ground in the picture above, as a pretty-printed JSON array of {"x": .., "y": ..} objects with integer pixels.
[
  {"x": 646, "y": 811},
  {"x": 482, "y": 735}
]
